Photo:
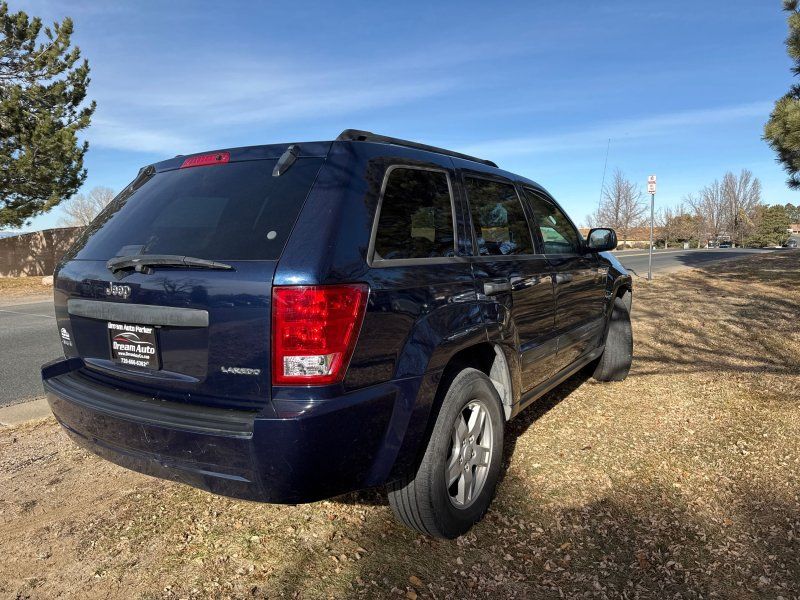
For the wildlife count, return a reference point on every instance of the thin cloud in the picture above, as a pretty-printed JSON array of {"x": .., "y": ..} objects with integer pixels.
[
  {"x": 163, "y": 111},
  {"x": 184, "y": 103},
  {"x": 167, "y": 114},
  {"x": 332, "y": 98},
  {"x": 625, "y": 130},
  {"x": 121, "y": 135}
]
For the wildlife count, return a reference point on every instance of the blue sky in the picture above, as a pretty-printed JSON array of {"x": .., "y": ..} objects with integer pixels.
[{"x": 682, "y": 88}]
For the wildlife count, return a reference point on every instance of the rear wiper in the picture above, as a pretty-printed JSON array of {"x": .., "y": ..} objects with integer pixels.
[{"x": 143, "y": 263}]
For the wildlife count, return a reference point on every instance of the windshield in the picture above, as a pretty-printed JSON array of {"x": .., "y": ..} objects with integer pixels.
[{"x": 237, "y": 211}]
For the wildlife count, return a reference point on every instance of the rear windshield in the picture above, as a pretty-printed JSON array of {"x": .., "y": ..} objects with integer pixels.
[{"x": 237, "y": 211}]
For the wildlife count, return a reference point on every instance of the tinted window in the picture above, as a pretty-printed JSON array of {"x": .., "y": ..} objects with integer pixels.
[
  {"x": 416, "y": 216},
  {"x": 499, "y": 220},
  {"x": 237, "y": 211},
  {"x": 558, "y": 234}
]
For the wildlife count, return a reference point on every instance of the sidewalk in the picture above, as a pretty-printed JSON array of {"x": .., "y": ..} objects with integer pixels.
[{"x": 24, "y": 411}]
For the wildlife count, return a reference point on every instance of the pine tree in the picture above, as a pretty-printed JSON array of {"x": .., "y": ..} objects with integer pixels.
[
  {"x": 782, "y": 131},
  {"x": 793, "y": 212},
  {"x": 42, "y": 92},
  {"x": 773, "y": 222}
]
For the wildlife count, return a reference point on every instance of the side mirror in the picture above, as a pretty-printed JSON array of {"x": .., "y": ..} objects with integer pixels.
[{"x": 601, "y": 240}]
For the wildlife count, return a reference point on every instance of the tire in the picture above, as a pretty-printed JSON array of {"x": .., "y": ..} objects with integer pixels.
[
  {"x": 423, "y": 500},
  {"x": 615, "y": 362}
]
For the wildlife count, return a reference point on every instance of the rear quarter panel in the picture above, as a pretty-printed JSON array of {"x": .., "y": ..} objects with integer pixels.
[{"x": 414, "y": 311}]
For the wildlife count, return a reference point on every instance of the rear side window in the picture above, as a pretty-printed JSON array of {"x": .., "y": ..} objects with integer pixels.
[
  {"x": 416, "y": 216},
  {"x": 236, "y": 211},
  {"x": 498, "y": 217},
  {"x": 558, "y": 234}
]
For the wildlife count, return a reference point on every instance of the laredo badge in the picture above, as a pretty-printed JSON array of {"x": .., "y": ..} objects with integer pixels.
[{"x": 240, "y": 371}]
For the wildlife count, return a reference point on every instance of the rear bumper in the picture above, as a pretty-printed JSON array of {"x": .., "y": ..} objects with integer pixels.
[{"x": 327, "y": 447}]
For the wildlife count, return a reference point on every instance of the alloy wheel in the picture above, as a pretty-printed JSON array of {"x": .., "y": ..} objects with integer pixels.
[{"x": 470, "y": 454}]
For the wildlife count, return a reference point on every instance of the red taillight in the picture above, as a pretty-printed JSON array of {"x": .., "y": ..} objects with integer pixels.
[
  {"x": 314, "y": 331},
  {"x": 203, "y": 160}
]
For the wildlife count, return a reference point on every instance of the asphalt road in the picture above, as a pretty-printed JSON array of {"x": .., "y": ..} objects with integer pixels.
[
  {"x": 28, "y": 336},
  {"x": 28, "y": 339},
  {"x": 668, "y": 260}
]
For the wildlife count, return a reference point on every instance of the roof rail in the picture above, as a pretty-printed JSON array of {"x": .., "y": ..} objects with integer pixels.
[{"x": 356, "y": 135}]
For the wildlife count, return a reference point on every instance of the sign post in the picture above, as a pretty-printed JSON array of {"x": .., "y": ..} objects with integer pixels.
[{"x": 651, "y": 189}]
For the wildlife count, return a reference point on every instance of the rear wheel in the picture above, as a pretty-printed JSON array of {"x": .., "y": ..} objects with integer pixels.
[
  {"x": 617, "y": 356},
  {"x": 455, "y": 481}
]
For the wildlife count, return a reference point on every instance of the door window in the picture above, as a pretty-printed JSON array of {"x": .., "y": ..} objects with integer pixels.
[
  {"x": 558, "y": 234},
  {"x": 501, "y": 228},
  {"x": 416, "y": 216}
]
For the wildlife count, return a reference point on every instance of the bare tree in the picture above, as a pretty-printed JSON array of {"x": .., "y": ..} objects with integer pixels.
[
  {"x": 677, "y": 225},
  {"x": 81, "y": 209},
  {"x": 665, "y": 221},
  {"x": 710, "y": 207},
  {"x": 742, "y": 196},
  {"x": 728, "y": 207},
  {"x": 622, "y": 207},
  {"x": 687, "y": 226}
]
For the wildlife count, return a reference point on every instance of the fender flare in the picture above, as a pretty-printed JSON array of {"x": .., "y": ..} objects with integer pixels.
[
  {"x": 430, "y": 393},
  {"x": 620, "y": 283}
]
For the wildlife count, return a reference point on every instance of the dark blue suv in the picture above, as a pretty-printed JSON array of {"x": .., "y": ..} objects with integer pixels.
[{"x": 289, "y": 322}]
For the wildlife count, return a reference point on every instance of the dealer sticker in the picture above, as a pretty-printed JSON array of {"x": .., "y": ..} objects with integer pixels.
[{"x": 134, "y": 345}]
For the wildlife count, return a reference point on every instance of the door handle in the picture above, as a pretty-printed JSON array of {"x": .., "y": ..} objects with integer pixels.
[
  {"x": 563, "y": 277},
  {"x": 521, "y": 283},
  {"x": 496, "y": 287}
]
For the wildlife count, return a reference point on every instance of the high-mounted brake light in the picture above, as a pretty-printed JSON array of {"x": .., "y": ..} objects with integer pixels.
[
  {"x": 203, "y": 160},
  {"x": 314, "y": 331}
]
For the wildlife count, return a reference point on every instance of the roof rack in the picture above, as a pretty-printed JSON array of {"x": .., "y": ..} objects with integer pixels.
[{"x": 356, "y": 135}]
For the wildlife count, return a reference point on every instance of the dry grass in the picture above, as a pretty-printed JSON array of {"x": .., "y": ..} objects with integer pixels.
[
  {"x": 681, "y": 482},
  {"x": 18, "y": 287}
]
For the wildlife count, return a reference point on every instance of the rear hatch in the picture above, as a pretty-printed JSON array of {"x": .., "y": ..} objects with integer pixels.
[{"x": 168, "y": 292}]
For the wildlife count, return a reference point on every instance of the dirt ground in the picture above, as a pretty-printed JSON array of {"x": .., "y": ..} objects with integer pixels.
[
  {"x": 681, "y": 482},
  {"x": 22, "y": 287}
]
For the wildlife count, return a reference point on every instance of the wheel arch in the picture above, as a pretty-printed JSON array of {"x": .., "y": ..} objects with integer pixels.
[
  {"x": 485, "y": 356},
  {"x": 489, "y": 358},
  {"x": 623, "y": 290}
]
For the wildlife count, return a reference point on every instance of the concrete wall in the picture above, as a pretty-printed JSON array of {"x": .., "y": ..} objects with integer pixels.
[{"x": 35, "y": 253}]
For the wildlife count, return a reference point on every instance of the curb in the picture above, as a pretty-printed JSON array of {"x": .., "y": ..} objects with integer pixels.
[{"x": 25, "y": 411}]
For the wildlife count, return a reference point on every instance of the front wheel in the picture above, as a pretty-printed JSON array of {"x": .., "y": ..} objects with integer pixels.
[{"x": 455, "y": 481}]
